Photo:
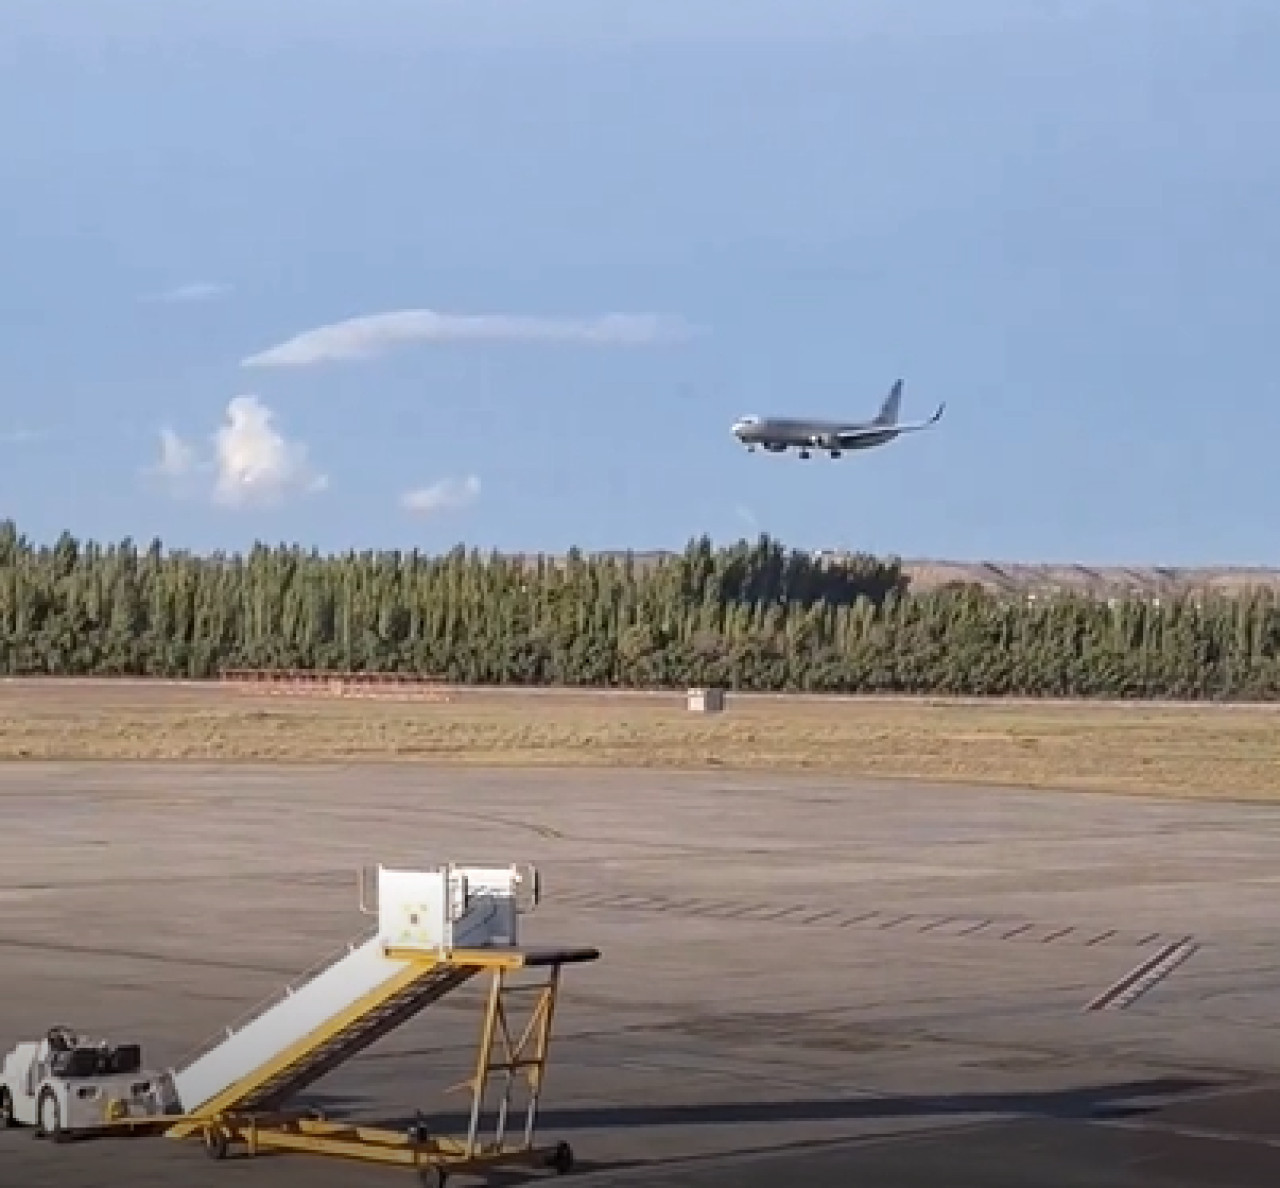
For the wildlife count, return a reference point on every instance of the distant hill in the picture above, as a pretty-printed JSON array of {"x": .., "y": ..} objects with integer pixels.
[
  {"x": 1020, "y": 578},
  {"x": 1095, "y": 580}
]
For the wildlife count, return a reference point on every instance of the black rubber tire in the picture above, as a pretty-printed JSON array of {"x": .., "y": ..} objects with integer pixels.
[
  {"x": 562, "y": 1160},
  {"x": 7, "y": 1120},
  {"x": 57, "y": 1134},
  {"x": 432, "y": 1175}
]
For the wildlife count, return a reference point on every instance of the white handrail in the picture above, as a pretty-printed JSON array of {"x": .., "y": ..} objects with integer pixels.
[{"x": 367, "y": 904}]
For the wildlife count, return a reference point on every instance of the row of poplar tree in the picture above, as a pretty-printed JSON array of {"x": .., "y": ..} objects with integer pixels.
[{"x": 748, "y": 616}]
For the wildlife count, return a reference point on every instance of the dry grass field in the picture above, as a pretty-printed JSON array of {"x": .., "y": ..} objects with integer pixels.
[{"x": 1188, "y": 750}]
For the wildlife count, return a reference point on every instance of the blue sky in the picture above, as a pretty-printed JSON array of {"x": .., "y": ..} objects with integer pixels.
[{"x": 585, "y": 237}]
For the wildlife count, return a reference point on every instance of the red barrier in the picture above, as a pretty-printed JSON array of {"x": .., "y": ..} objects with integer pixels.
[{"x": 310, "y": 682}]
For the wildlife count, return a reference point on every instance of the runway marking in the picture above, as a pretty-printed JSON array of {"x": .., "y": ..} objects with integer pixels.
[
  {"x": 992, "y": 929},
  {"x": 1144, "y": 977}
]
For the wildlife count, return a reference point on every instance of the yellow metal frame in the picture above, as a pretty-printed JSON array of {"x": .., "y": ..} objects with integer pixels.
[
  {"x": 524, "y": 1049},
  {"x": 497, "y": 1026}
]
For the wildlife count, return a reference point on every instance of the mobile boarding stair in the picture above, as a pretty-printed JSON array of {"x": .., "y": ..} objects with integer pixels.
[{"x": 436, "y": 930}]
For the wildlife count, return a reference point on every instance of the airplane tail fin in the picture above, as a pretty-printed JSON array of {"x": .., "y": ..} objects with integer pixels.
[{"x": 888, "y": 414}]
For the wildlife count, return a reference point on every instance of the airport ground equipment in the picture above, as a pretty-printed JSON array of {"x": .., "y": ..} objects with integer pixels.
[
  {"x": 436, "y": 930},
  {"x": 70, "y": 1083}
]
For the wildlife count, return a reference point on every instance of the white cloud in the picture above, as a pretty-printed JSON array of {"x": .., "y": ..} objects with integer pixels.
[
  {"x": 363, "y": 337},
  {"x": 446, "y": 495},
  {"x": 177, "y": 468},
  {"x": 19, "y": 436},
  {"x": 200, "y": 291},
  {"x": 251, "y": 464},
  {"x": 176, "y": 457},
  {"x": 255, "y": 463}
]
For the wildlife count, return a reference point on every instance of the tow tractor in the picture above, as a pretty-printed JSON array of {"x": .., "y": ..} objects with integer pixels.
[{"x": 67, "y": 1083}]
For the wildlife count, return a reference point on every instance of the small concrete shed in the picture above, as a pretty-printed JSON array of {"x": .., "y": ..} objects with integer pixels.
[{"x": 706, "y": 701}]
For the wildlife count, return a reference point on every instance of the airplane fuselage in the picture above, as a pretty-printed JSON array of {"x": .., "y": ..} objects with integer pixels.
[{"x": 779, "y": 434}]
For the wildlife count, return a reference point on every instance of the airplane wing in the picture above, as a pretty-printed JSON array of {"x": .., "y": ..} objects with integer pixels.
[{"x": 853, "y": 432}]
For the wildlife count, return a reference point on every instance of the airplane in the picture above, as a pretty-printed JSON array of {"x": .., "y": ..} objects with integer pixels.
[{"x": 778, "y": 434}]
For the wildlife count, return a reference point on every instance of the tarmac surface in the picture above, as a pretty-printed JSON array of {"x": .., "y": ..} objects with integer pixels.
[{"x": 803, "y": 980}]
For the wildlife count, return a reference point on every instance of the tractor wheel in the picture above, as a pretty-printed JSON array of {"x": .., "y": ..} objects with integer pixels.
[
  {"x": 432, "y": 1175},
  {"x": 49, "y": 1117},
  {"x": 562, "y": 1160}
]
